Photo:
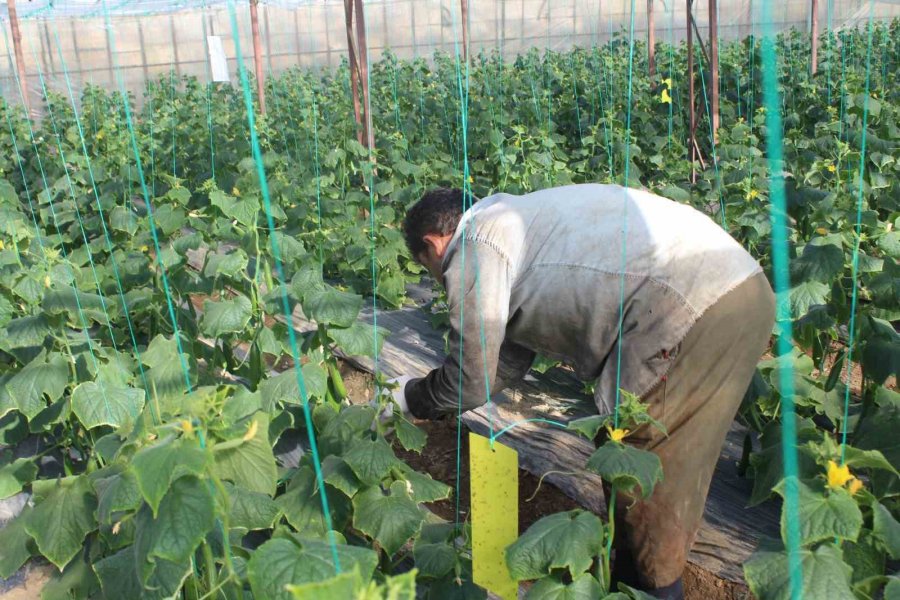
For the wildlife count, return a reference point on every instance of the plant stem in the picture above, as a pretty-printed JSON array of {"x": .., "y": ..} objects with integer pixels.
[
  {"x": 606, "y": 573},
  {"x": 210, "y": 566}
]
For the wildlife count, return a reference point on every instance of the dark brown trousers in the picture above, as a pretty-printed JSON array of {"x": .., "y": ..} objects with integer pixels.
[{"x": 697, "y": 402}]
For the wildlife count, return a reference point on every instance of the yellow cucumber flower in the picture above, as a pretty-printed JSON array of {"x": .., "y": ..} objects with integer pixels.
[
  {"x": 832, "y": 168},
  {"x": 665, "y": 98},
  {"x": 617, "y": 435},
  {"x": 855, "y": 486},
  {"x": 838, "y": 475},
  {"x": 187, "y": 426},
  {"x": 47, "y": 281},
  {"x": 251, "y": 431},
  {"x": 2, "y": 245}
]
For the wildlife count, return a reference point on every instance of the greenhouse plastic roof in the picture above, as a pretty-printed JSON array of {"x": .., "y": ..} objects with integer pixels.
[{"x": 74, "y": 9}]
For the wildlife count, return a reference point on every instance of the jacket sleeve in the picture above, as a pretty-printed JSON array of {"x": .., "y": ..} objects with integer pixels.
[{"x": 478, "y": 288}]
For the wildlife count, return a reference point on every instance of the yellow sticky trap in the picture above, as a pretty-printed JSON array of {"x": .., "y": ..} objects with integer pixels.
[{"x": 494, "y": 481}]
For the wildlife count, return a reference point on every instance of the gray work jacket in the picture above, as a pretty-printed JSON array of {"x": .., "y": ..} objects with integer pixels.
[{"x": 542, "y": 273}]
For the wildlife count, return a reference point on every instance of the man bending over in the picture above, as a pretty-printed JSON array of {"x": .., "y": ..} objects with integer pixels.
[{"x": 542, "y": 273}]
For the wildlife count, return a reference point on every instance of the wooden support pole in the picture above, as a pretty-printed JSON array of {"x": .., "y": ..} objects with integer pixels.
[
  {"x": 257, "y": 57},
  {"x": 651, "y": 40},
  {"x": 412, "y": 29},
  {"x": 690, "y": 77},
  {"x": 143, "y": 51},
  {"x": 17, "y": 47},
  {"x": 268, "y": 38},
  {"x": 175, "y": 56},
  {"x": 327, "y": 25},
  {"x": 51, "y": 59},
  {"x": 363, "y": 47},
  {"x": 77, "y": 52},
  {"x": 297, "y": 30},
  {"x": 109, "y": 58},
  {"x": 814, "y": 37},
  {"x": 714, "y": 65},
  {"x": 349, "y": 6},
  {"x": 464, "y": 9},
  {"x": 703, "y": 51}
]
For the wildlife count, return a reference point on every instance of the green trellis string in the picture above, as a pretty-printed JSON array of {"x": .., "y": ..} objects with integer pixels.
[
  {"x": 712, "y": 143},
  {"x": 624, "y": 248},
  {"x": 150, "y": 112},
  {"x": 279, "y": 270},
  {"x": 370, "y": 167},
  {"x": 102, "y": 219},
  {"x": 209, "y": 85},
  {"x": 780, "y": 267},
  {"x": 855, "y": 261},
  {"x": 84, "y": 323},
  {"x": 74, "y": 196},
  {"x": 174, "y": 125},
  {"x": 170, "y": 305}
]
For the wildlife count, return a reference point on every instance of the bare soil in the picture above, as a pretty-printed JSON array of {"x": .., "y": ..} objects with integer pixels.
[
  {"x": 536, "y": 500},
  {"x": 27, "y": 583}
]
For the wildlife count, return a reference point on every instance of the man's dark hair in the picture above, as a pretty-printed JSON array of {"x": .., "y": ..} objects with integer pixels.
[{"x": 438, "y": 212}]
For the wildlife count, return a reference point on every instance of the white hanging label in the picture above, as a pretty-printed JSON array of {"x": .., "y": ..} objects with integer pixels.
[{"x": 218, "y": 63}]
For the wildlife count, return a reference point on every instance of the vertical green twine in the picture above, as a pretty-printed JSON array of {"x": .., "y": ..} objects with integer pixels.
[
  {"x": 421, "y": 87},
  {"x": 7, "y": 110},
  {"x": 780, "y": 267},
  {"x": 174, "y": 124},
  {"x": 279, "y": 270},
  {"x": 150, "y": 112},
  {"x": 624, "y": 249},
  {"x": 859, "y": 211},
  {"x": 397, "y": 106},
  {"x": 62, "y": 245},
  {"x": 102, "y": 217},
  {"x": 547, "y": 57},
  {"x": 209, "y": 85},
  {"x": 574, "y": 74},
  {"x": 829, "y": 16},
  {"x": 170, "y": 305},
  {"x": 672, "y": 71},
  {"x": 280, "y": 122},
  {"x": 315, "y": 113},
  {"x": 462, "y": 262},
  {"x": 625, "y": 198},
  {"x": 372, "y": 235},
  {"x": 77, "y": 210},
  {"x": 712, "y": 143}
]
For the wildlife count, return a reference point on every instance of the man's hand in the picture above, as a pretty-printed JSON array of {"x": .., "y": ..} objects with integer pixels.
[{"x": 398, "y": 396}]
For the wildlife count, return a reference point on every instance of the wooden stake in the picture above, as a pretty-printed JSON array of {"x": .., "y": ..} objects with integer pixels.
[
  {"x": 109, "y": 57},
  {"x": 464, "y": 8},
  {"x": 354, "y": 70},
  {"x": 144, "y": 51},
  {"x": 690, "y": 78},
  {"x": 78, "y": 65},
  {"x": 651, "y": 40},
  {"x": 714, "y": 64},
  {"x": 17, "y": 46},
  {"x": 268, "y": 38},
  {"x": 814, "y": 38},
  {"x": 257, "y": 57},
  {"x": 175, "y": 45},
  {"x": 363, "y": 48},
  {"x": 297, "y": 30}
]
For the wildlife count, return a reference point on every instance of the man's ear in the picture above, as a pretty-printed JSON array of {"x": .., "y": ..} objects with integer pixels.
[{"x": 436, "y": 243}]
